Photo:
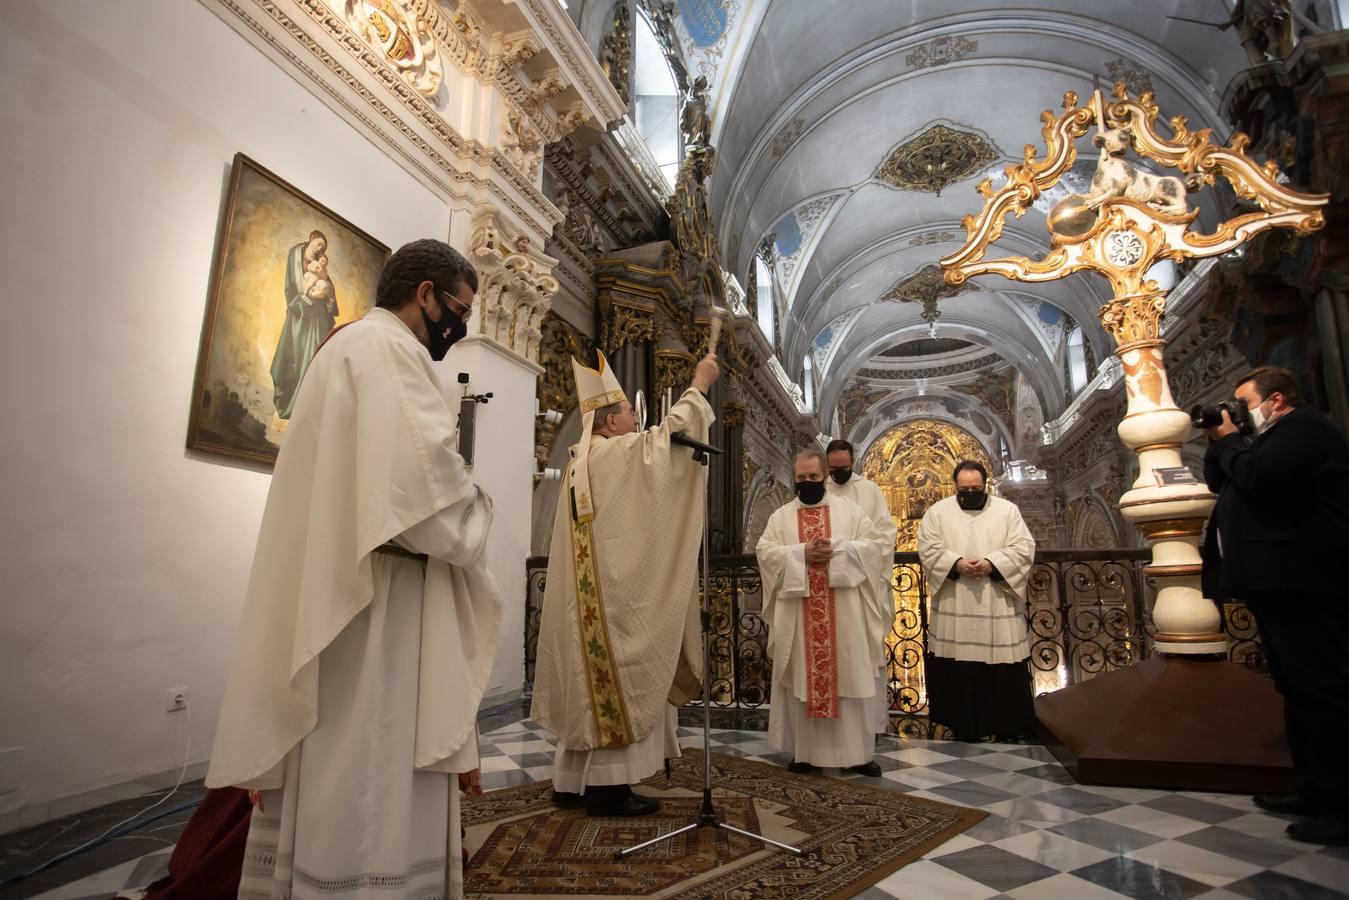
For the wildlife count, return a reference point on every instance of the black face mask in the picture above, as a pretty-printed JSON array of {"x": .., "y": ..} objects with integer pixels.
[
  {"x": 840, "y": 475},
  {"x": 972, "y": 500},
  {"x": 810, "y": 492},
  {"x": 445, "y": 333}
]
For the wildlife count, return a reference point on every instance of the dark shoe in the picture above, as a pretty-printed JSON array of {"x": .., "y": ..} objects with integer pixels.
[
  {"x": 631, "y": 805},
  {"x": 1326, "y": 830},
  {"x": 1286, "y": 804},
  {"x": 567, "y": 800},
  {"x": 1007, "y": 739},
  {"x": 869, "y": 769},
  {"x": 799, "y": 768}
]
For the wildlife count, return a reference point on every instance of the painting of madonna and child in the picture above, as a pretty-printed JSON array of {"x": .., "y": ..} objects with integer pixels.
[{"x": 288, "y": 271}]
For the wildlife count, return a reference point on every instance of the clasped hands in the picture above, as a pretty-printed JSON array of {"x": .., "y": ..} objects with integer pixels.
[
  {"x": 818, "y": 550},
  {"x": 980, "y": 567}
]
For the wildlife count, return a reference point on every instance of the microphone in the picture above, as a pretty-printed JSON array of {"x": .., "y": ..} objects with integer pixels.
[{"x": 682, "y": 439}]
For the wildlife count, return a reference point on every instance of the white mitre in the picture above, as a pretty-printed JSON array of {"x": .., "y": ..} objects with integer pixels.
[{"x": 595, "y": 389}]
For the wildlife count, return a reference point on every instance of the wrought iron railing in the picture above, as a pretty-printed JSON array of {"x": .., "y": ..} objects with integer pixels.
[{"x": 1086, "y": 613}]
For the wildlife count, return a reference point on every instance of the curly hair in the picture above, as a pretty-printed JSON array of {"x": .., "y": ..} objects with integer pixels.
[{"x": 424, "y": 260}]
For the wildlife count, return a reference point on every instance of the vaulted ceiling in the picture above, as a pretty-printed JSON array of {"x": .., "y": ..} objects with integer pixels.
[{"x": 853, "y": 133}]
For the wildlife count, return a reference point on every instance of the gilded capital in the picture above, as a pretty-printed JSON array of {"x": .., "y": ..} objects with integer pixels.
[
  {"x": 673, "y": 368},
  {"x": 626, "y": 325},
  {"x": 1134, "y": 319}
]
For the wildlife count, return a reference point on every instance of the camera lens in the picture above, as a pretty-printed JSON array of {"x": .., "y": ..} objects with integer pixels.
[{"x": 1205, "y": 416}]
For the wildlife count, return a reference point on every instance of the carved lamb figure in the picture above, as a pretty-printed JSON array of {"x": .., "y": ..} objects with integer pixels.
[{"x": 1117, "y": 177}]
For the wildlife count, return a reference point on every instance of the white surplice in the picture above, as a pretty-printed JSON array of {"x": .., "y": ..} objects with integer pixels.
[
  {"x": 354, "y": 696},
  {"x": 976, "y": 619},
  {"x": 575, "y": 770},
  {"x": 868, "y": 495},
  {"x": 839, "y": 668}
]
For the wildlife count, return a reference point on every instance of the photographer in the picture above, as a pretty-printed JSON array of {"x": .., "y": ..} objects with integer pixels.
[{"x": 1279, "y": 540}]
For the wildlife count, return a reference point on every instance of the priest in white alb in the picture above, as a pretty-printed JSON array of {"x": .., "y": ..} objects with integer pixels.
[
  {"x": 977, "y": 554},
  {"x": 620, "y": 647},
  {"x": 817, "y": 558},
  {"x": 370, "y": 621},
  {"x": 845, "y": 482}
]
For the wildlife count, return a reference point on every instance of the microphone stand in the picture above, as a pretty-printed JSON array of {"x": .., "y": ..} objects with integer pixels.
[{"x": 707, "y": 814}]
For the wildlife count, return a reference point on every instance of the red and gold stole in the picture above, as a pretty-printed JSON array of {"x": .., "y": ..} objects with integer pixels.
[{"x": 817, "y": 621}]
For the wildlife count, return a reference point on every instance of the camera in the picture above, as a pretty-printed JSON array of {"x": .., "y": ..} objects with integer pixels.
[{"x": 1212, "y": 416}]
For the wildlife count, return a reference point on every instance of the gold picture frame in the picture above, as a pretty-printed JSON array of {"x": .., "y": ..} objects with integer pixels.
[{"x": 287, "y": 271}]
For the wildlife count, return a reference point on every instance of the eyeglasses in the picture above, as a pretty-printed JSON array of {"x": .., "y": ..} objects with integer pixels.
[{"x": 460, "y": 309}]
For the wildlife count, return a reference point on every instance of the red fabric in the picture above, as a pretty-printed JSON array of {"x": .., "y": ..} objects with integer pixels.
[
  {"x": 209, "y": 858},
  {"x": 819, "y": 630}
]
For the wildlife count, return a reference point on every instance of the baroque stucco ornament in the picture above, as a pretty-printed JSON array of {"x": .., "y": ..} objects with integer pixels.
[
  {"x": 936, "y": 159},
  {"x": 402, "y": 31},
  {"x": 521, "y": 142},
  {"x": 616, "y": 52},
  {"x": 1136, "y": 78},
  {"x": 932, "y": 237},
  {"x": 515, "y": 285},
  {"x": 941, "y": 51},
  {"x": 786, "y": 136},
  {"x": 928, "y": 287}
]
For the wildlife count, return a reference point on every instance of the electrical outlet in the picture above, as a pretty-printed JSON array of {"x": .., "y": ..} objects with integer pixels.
[
  {"x": 175, "y": 699},
  {"x": 11, "y": 762}
]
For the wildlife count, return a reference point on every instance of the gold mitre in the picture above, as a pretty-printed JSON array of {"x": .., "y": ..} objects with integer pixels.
[{"x": 596, "y": 388}]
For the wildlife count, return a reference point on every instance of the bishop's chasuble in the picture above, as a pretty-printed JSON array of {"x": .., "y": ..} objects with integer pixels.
[
  {"x": 354, "y": 695},
  {"x": 619, "y": 642},
  {"x": 823, "y": 631}
]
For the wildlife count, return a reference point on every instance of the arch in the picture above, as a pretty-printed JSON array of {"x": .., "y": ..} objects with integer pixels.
[
  {"x": 889, "y": 412},
  {"x": 763, "y": 498},
  {"x": 1042, "y": 377},
  {"x": 1094, "y": 525},
  {"x": 1083, "y": 295}
]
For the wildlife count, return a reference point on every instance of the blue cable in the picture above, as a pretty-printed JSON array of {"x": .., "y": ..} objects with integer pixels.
[{"x": 113, "y": 835}]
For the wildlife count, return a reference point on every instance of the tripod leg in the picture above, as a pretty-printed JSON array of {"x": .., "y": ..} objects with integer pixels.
[
  {"x": 759, "y": 837},
  {"x": 655, "y": 840}
]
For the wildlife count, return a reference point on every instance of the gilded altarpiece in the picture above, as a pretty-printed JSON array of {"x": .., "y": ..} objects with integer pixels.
[{"x": 557, "y": 386}]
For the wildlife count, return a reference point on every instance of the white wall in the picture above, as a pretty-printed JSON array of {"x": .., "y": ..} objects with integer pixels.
[
  {"x": 503, "y": 458},
  {"x": 125, "y": 557}
]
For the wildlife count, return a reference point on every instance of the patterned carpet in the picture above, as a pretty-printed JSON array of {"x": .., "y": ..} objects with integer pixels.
[{"x": 853, "y": 835}]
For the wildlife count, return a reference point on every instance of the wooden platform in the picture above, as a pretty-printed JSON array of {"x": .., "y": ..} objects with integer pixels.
[{"x": 1171, "y": 722}]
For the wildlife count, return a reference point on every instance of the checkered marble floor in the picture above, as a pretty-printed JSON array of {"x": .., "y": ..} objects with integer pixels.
[{"x": 1045, "y": 836}]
